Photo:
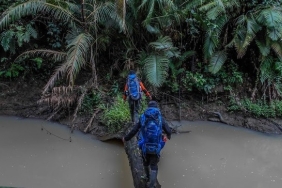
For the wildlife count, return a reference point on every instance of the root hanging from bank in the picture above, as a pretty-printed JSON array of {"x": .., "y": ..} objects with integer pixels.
[{"x": 91, "y": 120}]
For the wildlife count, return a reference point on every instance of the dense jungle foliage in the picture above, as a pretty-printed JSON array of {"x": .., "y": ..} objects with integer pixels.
[{"x": 83, "y": 49}]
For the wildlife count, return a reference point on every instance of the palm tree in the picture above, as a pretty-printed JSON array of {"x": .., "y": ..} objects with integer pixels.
[{"x": 83, "y": 36}]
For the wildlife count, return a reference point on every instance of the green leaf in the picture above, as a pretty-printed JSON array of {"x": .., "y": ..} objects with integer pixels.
[
  {"x": 216, "y": 61},
  {"x": 156, "y": 68}
]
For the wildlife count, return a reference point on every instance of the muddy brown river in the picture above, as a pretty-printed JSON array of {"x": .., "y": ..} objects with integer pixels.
[{"x": 42, "y": 154}]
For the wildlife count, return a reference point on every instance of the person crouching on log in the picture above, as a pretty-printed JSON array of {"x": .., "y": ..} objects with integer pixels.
[{"x": 151, "y": 140}]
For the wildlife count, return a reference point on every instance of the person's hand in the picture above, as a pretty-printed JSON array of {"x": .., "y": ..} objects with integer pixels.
[
  {"x": 123, "y": 140},
  {"x": 169, "y": 137},
  {"x": 150, "y": 97}
]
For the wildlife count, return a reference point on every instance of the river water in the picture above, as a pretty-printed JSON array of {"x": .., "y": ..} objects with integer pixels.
[{"x": 42, "y": 154}]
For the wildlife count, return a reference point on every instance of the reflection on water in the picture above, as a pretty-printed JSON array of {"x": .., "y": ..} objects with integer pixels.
[{"x": 212, "y": 155}]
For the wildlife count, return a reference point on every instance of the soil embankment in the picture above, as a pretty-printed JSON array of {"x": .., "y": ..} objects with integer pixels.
[{"x": 20, "y": 99}]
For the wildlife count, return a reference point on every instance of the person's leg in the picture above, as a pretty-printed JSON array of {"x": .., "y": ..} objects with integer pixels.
[
  {"x": 146, "y": 164},
  {"x": 154, "y": 159},
  {"x": 136, "y": 110},
  {"x": 131, "y": 109}
]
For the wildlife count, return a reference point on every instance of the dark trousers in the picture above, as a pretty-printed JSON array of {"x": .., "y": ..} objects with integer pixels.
[
  {"x": 134, "y": 106},
  {"x": 151, "y": 160}
]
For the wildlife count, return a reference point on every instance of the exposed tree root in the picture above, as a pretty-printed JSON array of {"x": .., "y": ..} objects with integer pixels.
[
  {"x": 91, "y": 120},
  {"x": 218, "y": 116}
]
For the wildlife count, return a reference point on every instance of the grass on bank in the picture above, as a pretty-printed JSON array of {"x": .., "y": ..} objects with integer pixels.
[{"x": 117, "y": 114}]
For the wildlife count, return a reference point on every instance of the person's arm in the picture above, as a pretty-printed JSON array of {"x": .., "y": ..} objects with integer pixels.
[
  {"x": 145, "y": 90},
  {"x": 166, "y": 128},
  {"x": 125, "y": 92},
  {"x": 134, "y": 130}
]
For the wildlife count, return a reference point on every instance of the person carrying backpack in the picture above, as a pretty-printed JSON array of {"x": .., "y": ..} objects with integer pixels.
[
  {"x": 151, "y": 124},
  {"x": 132, "y": 91}
]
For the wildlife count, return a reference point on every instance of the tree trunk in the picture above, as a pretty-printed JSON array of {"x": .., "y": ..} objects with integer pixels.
[
  {"x": 134, "y": 157},
  {"x": 136, "y": 163}
]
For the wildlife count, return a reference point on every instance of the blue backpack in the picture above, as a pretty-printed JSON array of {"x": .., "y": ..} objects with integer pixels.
[
  {"x": 133, "y": 87},
  {"x": 151, "y": 129}
]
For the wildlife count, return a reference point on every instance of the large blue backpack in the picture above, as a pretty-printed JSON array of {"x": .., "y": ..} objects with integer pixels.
[
  {"x": 133, "y": 87},
  {"x": 151, "y": 129}
]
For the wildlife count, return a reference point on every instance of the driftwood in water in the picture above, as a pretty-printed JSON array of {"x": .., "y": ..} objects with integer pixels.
[{"x": 217, "y": 117}]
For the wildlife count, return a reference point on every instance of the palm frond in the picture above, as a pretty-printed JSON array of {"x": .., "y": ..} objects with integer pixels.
[
  {"x": 277, "y": 48},
  {"x": 33, "y": 7},
  {"x": 278, "y": 67},
  {"x": 59, "y": 73},
  {"x": 212, "y": 38},
  {"x": 266, "y": 70},
  {"x": 246, "y": 31},
  {"x": 104, "y": 12},
  {"x": 271, "y": 18},
  {"x": 211, "y": 43},
  {"x": 77, "y": 54},
  {"x": 263, "y": 48},
  {"x": 213, "y": 13},
  {"x": 216, "y": 8},
  {"x": 156, "y": 68},
  {"x": 164, "y": 44},
  {"x": 151, "y": 8},
  {"x": 274, "y": 33},
  {"x": 216, "y": 61},
  {"x": 50, "y": 54},
  {"x": 75, "y": 59}
]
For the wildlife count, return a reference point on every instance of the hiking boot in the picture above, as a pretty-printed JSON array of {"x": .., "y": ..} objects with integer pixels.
[
  {"x": 147, "y": 171},
  {"x": 153, "y": 178}
]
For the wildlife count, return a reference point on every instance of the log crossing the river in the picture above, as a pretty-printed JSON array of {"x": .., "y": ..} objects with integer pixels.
[{"x": 134, "y": 156}]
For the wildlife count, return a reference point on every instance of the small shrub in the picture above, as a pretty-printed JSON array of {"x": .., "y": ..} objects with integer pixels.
[
  {"x": 259, "y": 108},
  {"x": 116, "y": 115}
]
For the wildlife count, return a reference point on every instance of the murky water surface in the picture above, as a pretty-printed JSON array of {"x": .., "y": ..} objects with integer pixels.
[
  {"x": 212, "y": 155},
  {"x": 33, "y": 158}
]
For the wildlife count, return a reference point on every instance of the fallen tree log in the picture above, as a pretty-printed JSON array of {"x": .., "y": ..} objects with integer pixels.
[
  {"x": 134, "y": 154},
  {"x": 134, "y": 157},
  {"x": 136, "y": 163}
]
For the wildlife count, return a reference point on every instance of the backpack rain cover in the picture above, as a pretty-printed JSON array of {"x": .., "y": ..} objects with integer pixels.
[
  {"x": 133, "y": 87},
  {"x": 151, "y": 127}
]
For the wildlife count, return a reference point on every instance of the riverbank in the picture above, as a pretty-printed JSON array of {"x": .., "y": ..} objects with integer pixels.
[{"x": 20, "y": 99}]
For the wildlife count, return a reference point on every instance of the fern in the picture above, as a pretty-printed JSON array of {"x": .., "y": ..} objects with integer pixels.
[
  {"x": 17, "y": 35},
  {"x": 6, "y": 40}
]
